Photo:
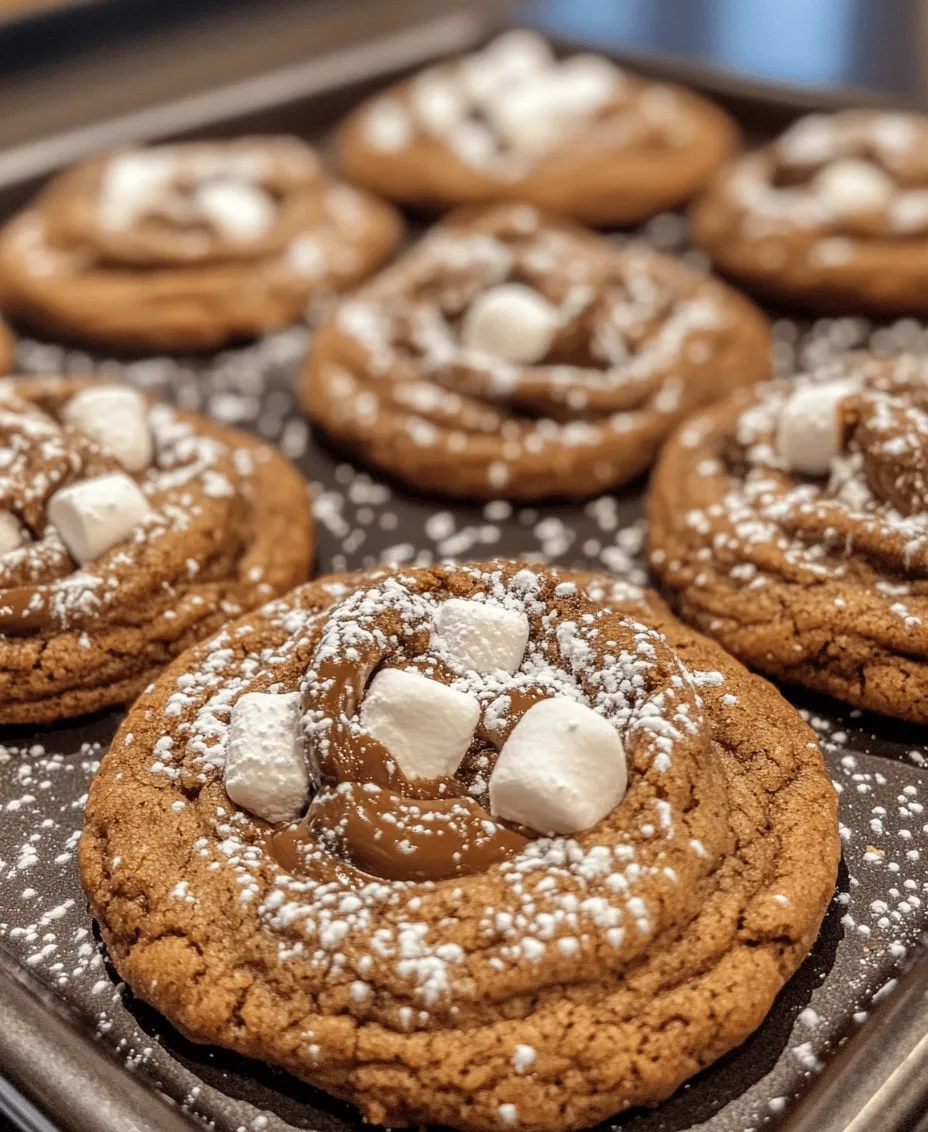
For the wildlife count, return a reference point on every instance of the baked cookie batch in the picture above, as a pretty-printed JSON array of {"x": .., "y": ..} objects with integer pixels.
[{"x": 494, "y": 845}]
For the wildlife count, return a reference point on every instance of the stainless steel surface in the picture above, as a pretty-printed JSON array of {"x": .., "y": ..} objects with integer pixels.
[
  {"x": 71, "y": 1080},
  {"x": 378, "y": 56},
  {"x": 878, "y": 1082}
]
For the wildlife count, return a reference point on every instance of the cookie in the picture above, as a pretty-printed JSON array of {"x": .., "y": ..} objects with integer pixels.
[
  {"x": 128, "y": 531},
  {"x": 579, "y": 136},
  {"x": 7, "y": 348},
  {"x": 789, "y": 523},
  {"x": 832, "y": 216},
  {"x": 184, "y": 247},
  {"x": 485, "y": 846},
  {"x": 512, "y": 355}
]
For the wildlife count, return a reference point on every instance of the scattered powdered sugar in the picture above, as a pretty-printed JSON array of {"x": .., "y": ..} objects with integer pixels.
[{"x": 875, "y": 919}]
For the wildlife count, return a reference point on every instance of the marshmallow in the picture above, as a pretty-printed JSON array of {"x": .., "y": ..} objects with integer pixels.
[
  {"x": 12, "y": 535},
  {"x": 528, "y": 118},
  {"x": 509, "y": 59},
  {"x": 266, "y": 771},
  {"x": 853, "y": 186},
  {"x": 586, "y": 83},
  {"x": 93, "y": 515},
  {"x": 561, "y": 770},
  {"x": 437, "y": 103},
  {"x": 808, "y": 431},
  {"x": 810, "y": 141},
  {"x": 116, "y": 418},
  {"x": 481, "y": 636},
  {"x": 426, "y": 726},
  {"x": 132, "y": 185},
  {"x": 910, "y": 211},
  {"x": 511, "y": 321},
  {"x": 236, "y": 209}
]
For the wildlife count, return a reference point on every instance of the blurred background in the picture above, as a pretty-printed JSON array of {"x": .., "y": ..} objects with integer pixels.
[{"x": 67, "y": 63}]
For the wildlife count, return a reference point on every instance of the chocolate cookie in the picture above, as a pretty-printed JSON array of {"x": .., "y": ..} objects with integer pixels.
[
  {"x": 128, "y": 531},
  {"x": 512, "y": 355},
  {"x": 833, "y": 215},
  {"x": 187, "y": 246},
  {"x": 789, "y": 523},
  {"x": 522, "y": 849},
  {"x": 579, "y": 136}
]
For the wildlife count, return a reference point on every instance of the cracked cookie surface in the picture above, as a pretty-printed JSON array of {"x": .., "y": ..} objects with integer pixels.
[{"x": 574, "y": 978}]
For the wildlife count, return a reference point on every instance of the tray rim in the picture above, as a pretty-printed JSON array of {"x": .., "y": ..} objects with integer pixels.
[{"x": 24, "y": 1001}]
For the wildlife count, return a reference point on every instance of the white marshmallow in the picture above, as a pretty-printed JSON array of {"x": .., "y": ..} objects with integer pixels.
[
  {"x": 808, "y": 432},
  {"x": 116, "y": 418},
  {"x": 810, "y": 141},
  {"x": 236, "y": 209},
  {"x": 93, "y": 515},
  {"x": 12, "y": 535},
  {"x": 528, "y": 118},
  {"x": 426, "y": 726},
  {"x": 132, "y": 185},
  {"x": 586, "y": 83},
  {"x": 266, "y": 771},
  {"x": 561, "y": 770},
  {"x": 482, "y": 636},
  {"x": 509, "y": 59},
  {"x": 511, "y": 321},
  {"x": 910, "y": 210},
  {"x": 853, "y": 186},
  {"x": 437, "y": 103}
]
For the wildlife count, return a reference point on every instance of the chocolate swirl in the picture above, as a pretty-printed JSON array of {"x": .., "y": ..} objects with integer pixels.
[
  {"x": 835, "y": 212},
  {"x": 836, "y": 566},
  {"x": 186, "y": 246},
  {"x": 704, "y": 886},
  {"x": 202, "y": 554},
  {"x": 638, "y": 341}
]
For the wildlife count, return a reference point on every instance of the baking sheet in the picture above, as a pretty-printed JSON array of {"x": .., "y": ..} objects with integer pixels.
[{"x": 880, "y": 767}]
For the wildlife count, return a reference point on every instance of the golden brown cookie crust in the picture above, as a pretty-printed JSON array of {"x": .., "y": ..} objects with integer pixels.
[
  {"x": 817, "y": 581},
  {"x": 641, "y": 342},
  {"x": 90, "y": 264},
  {"x": 618, "y": 170},
  {"x": 7, "y": 348},
  {"x": 229, "y": 535},
  {"x": 450, "y": 1016},
  {"x": 767, "y": 221}
]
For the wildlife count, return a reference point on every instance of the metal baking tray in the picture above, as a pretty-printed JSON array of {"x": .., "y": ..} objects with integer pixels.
[{"x": 82, "y": 1054}]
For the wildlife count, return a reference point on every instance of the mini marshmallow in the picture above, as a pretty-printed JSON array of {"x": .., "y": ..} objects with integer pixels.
[
  {"x": 116, "y": 418},
  {"x": 437, "y": 103},
  {"x": 508, "y": 60},
  {"x": 482, "y": 636},
  {"x": 511, "y": 321},
  {"x": 909, "y": 212},
  {"x": 94, "y": 515},
  {"x": 265, "y": 770},
  {"x": 852, "y": 187},
  {"x": 586, "y": 83},
  {"x": 808, "y": 432},
  {"x": 426, "y": 726},
  {"x": 236, "y": 209},
  {"x": 810, "y": 141},
  {"x": 561, "y": 770},
  {"x": 12, "y": 535}
]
